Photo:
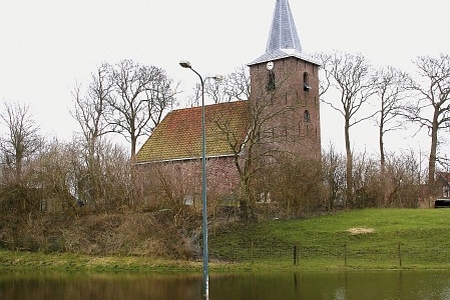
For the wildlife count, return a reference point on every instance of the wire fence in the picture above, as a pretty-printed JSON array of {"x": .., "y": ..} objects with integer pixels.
[{"x": 348, "y": 254}]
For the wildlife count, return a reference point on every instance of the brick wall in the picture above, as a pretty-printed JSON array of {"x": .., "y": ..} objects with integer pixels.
[
  {"x": 183, "y": 179},
  {"x": 292, "y": 114},
  {"x": 294, "y": 110}
]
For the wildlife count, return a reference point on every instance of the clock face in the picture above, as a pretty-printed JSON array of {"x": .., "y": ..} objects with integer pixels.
[{"x": 269, "y": 65}]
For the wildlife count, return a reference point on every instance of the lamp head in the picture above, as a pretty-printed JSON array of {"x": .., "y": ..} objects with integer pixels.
[
  {"x": 185, "y": 64},
  {"x": 217, "y": 77}
]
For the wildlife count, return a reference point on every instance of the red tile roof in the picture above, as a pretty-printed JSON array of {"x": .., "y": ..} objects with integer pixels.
[{"x": 178, "y": 136}]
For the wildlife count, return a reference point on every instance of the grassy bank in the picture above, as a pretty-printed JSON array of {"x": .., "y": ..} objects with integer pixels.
[
  {"x": 23, "y": 260},
  {"x": 371, "y": 238},
  {"x": 360, "y": 239}
]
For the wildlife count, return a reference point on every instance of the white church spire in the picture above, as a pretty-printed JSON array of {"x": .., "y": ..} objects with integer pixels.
[
  {"x": 283, "y": 33},
  {"x": 283, "y": 38}
]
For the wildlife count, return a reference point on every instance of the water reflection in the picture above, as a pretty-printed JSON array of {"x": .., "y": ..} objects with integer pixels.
[
  {"x": 389, "y": 285},
  {"x": 52, "y": 286}
]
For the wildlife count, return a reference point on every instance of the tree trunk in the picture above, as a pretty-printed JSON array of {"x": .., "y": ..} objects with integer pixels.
[
  {"x": 245, "y": 205},
  {"x": 433, "y": 151},
  {"x": 383, "y": 179},
  {"x": 349, "y": 175}
]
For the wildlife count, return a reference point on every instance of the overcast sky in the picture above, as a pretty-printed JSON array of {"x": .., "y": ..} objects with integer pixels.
[{"x": 48, "y": 45}]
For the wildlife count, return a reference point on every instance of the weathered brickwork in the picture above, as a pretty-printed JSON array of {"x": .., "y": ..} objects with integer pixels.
[
  {"x": 184, "y": 179},
  {"x": 293, "y": 104}
]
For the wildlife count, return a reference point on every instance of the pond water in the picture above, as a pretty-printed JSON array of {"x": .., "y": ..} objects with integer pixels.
[{"x": 388, "y": 285}]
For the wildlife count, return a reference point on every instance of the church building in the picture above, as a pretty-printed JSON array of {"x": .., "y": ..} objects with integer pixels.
[{"x": 281, "y": 116}]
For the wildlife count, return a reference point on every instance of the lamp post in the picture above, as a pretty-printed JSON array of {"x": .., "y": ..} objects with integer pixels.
[{"x": 186, "y": 64}]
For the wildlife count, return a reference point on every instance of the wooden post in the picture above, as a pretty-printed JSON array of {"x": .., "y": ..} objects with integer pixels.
[
  {"x": 253, "y": 254},
  {"x": 295, "y": 255},
  {"x": 399, "y": 254},
  {"x": 345, "y": 255}
]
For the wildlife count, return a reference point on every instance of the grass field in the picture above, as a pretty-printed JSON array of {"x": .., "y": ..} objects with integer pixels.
[
  {"x": 370, "y": 238},
  {"x": 359, "y": 239}
]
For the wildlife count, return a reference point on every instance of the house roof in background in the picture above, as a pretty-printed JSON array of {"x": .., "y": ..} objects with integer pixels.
[
  {"x": 445, "y": 176},
  {"x": 179, "y": 135}
]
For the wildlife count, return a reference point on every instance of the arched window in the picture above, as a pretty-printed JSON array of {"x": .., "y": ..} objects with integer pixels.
[
  {"x": 306, "y": 86},
  {"x": 271, "y": 81},
  {"x": 306, "y": 117}
]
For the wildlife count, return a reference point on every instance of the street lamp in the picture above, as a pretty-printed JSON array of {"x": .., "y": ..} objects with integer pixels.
[{"x": 186, "y": 64}]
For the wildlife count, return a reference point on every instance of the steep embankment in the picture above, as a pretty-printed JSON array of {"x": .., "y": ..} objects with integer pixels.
[{"x": 359, "y": 239}]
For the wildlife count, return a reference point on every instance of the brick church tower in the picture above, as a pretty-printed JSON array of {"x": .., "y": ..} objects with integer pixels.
[
  {"x": 281, "y": 117},
  {"x": 285, "y": 85}
]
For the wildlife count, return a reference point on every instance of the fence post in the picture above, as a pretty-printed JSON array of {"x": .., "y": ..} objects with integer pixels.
[
  {"x": 295, "y": 255},
  {"x": 253, "y": 253},
  {"x": 399, "y": 254},
  {"x": 345, "y": 255}
]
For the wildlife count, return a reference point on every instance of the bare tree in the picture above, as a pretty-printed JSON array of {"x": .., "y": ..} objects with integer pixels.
[
  {"x": 237, "y": 85},
  {"x": 54, "y": 173},
  {"x": 334, "y": 176},
  {"x": 325, "y": 60},
  {"x": 431, "y": 110},
  {"x": 390, "y": 85},
  {"x": 141, "y": 96},
  {"x": 297, "y": 185},
  {"x": 351, "y": 76},
  {"x": 114, "y": 186},
  {"x": 90, "y": 107},
  {"x": 255, "y": 154},
  {"x": 22, "y": 138},
  {"x": 234, "y": 86},
  {"x": 403, "y": 180},
  {"x": 366, "y": 185},
  {"x": 90, "y": 111}
]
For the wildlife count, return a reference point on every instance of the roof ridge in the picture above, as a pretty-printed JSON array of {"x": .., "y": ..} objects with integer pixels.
[{"x": 207, "y": 105}]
